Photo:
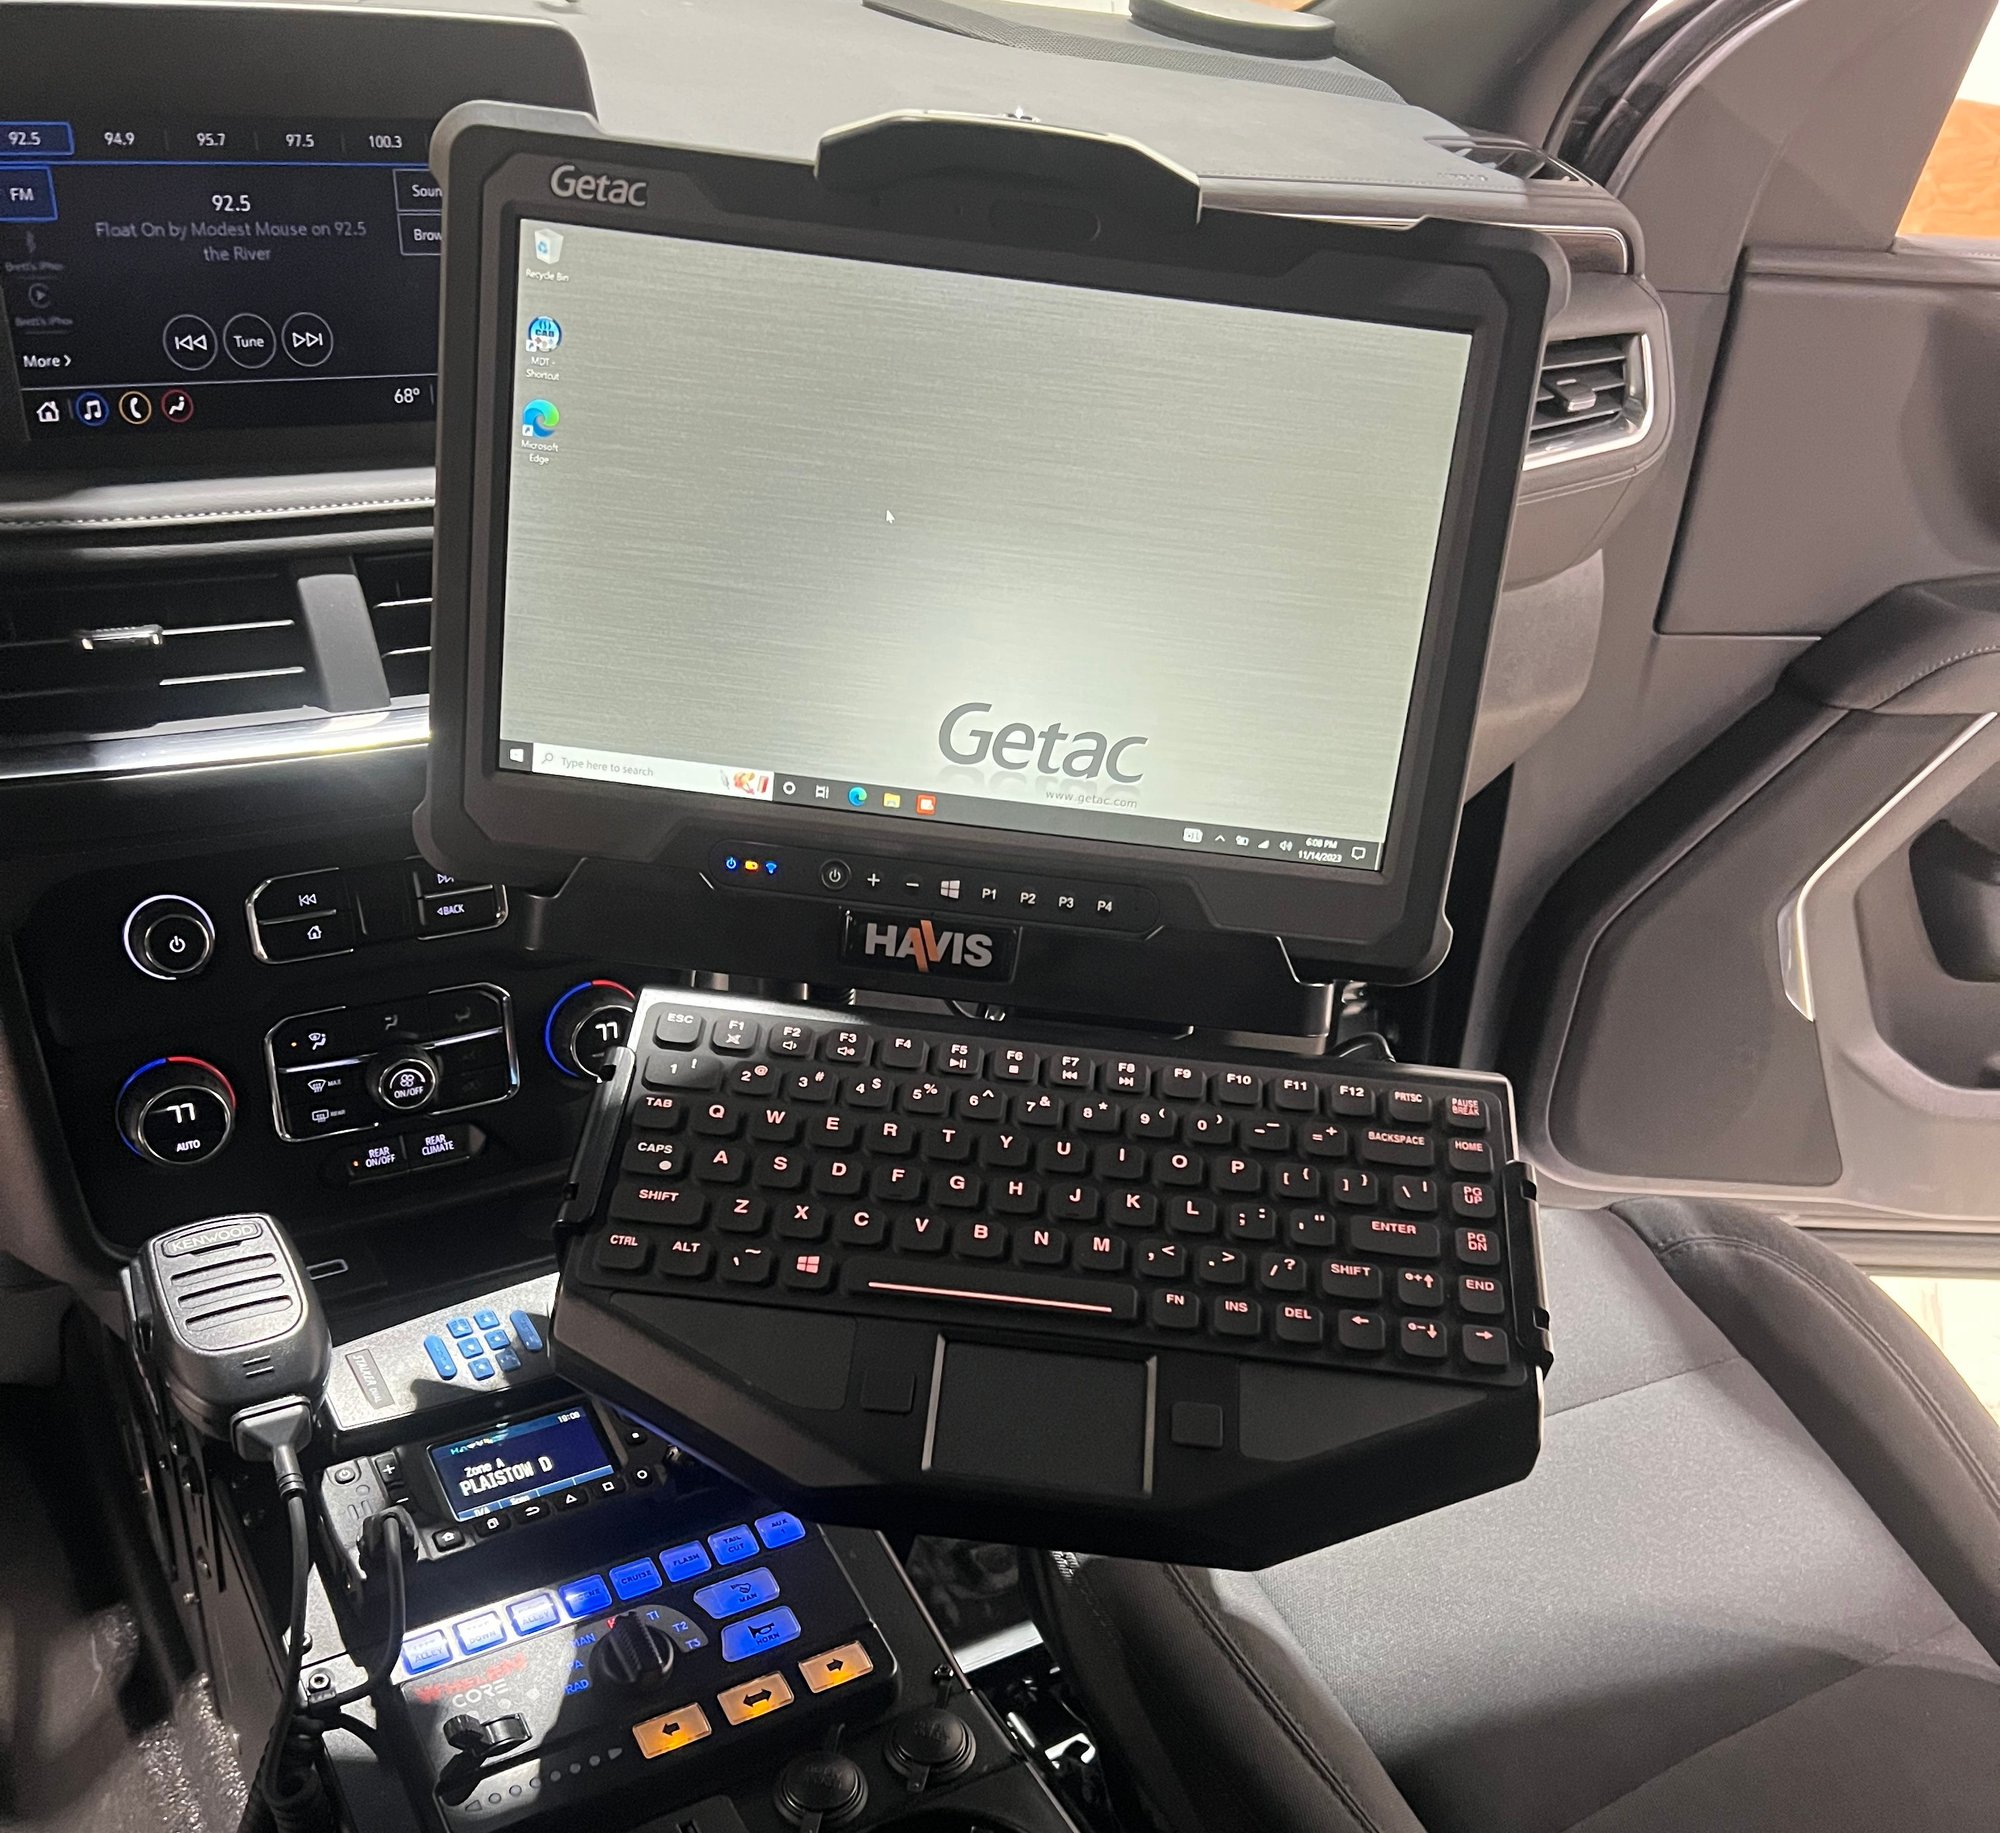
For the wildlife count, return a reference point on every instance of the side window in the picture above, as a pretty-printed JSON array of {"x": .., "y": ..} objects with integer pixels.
[{"x": 1958, "y": 192}]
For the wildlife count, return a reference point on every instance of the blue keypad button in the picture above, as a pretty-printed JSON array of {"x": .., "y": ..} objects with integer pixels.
[
  {"x": 588, "y": 1597},
  {"x": 732, "y": 1544},
  {"x": 531, "y": 1614},
  {"x": 481, "y": 1370},
  {"x": 497, "y": 1339},
  {"x": 506, "y": 1360},
  {"x": 635, "y": 1579},
  {"x": 422, "y": 1653},
  {"x": 759, "y": 1635},
  {"x": 471, "y": 1346},
  {"x": 460, "y": 1326},
  {"x": 439, "y": 1352},
  {"x": 487, "y": 1320},
  {"x": 525, "y": 1332},
  {"x": 487, "y": 1631},
  {"x": 683, "y": 1563},
  {"x": 780, "y": 1530},
  {"x": 731, "y": 1597}
]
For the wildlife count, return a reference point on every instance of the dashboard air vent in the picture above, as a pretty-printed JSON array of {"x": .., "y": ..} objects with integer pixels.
[
  {"x": 1592, "y": 396},
  {"x": 1517, "y": 159},
  {"x": 91, "y": 657},
  {"x": 398, "y": 589}
]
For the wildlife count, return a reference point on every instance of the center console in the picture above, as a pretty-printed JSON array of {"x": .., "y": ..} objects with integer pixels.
[{"x": 598, "y": 1624}]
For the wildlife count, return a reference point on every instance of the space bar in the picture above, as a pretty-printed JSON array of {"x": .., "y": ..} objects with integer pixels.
[{"x": 1026, "y": 1294}]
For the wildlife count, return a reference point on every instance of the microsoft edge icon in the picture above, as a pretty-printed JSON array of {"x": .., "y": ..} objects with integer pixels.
[{"x": 539, "y": 420}]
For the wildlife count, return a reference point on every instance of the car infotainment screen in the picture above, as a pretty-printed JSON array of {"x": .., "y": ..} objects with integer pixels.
[
  {"x": 921, "y": 545},
  {"x": 166, "y": 278},
  {"x": 519, "y": 1461}
]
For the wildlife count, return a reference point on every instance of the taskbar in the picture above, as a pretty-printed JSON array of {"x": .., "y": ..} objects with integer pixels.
[
  {"x": 1081, "y": 814},
  {"x": 111, "y": 410}
]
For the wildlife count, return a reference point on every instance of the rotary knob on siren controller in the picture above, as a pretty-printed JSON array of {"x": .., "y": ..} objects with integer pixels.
[
  {"x": 586, "y": 1024},
  {"x": 632, "y": 1655},
  {"x": 176, "y": 1111}
]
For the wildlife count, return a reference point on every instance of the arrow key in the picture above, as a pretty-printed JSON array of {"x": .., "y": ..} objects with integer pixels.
[
  {"x": 757, "y": 1698},
  {"x": 835, "y": 1668}
]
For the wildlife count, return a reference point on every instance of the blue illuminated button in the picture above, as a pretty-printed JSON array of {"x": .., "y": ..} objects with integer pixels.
[
  {"x": 683, "y": 1563},
  {"x": 758, "y": 1635},
  {"x": 422, "y": 1653},
  {"x": 439, "y": 1352},
  {"x": 780, "y": 1530},
  {"x": 732, "y": 1544},
  {"x": 36, "y": 140},
  {"x": 588, "y": 1597},
  {"x": 460, "y": 1326},
  {"x": 470, "y": 1347},
  {"x": 487, "y": 1320},
  {"x": 90, "y": 409},
  {"x": 507, "y": 1360},
  {"x": 730, "y": 1597},
  {"x": 27, "y": 194},
  {"x": 481, "y": 1370},
  {"x": 487, "y": 1631},
  {"x": 531, "y": 1614},
  {"x": 497, "y": 1339},
  {"x": 635, "y": 1579},
  {"x": 524, "y": 1329}
]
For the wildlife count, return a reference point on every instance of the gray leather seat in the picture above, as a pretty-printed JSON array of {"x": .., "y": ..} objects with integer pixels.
[{"x": 1753, "y": 1586}]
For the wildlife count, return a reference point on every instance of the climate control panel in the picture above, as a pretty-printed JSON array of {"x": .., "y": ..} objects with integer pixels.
[{"x": 348, "y": 1069}]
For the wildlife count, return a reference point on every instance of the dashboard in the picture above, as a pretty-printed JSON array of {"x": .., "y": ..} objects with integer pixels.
[{"x": 231, "y": 982}]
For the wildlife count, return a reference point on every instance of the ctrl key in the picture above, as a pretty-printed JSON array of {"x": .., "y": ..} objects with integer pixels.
[{"x": 623, "y": 1250}]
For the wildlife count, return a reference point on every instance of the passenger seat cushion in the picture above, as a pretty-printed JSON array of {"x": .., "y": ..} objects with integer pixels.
[
  {"x": 1861, "y": 1377},
  {"x": 1211, "y": 1712},
  {"x": 1685, "y": 1573}
]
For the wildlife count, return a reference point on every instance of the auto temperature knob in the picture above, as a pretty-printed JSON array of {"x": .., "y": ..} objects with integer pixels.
[
  {"x": 586, "y": 1024},
  {"x": 177, "y": 1111}
]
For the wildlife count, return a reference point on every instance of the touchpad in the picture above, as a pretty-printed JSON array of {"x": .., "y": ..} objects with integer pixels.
[{"x": 1035, "y": 1419}]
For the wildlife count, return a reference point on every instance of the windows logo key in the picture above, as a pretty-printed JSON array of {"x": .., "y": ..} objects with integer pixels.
[{"x": 539, "y": 420}]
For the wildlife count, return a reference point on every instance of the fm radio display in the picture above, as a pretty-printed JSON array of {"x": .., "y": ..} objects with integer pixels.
[
  {"x": 932, "y": 546},
  {"x": 517, "y": 1462},
  {"x": 167, "y": 277}
]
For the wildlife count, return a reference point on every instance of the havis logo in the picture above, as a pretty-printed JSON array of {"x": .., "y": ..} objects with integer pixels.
[{"x": 926, "y": 947}]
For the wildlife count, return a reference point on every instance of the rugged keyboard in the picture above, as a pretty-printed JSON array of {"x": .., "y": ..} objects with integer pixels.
[
  {"x": 1337, "y": 1214},
  {"x": 830, "y": 1215}
]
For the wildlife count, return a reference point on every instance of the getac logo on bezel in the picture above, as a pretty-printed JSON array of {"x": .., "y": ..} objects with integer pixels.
[
  {"x": 598, "y": 187},
  {"x": 881, "y": 940}
]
